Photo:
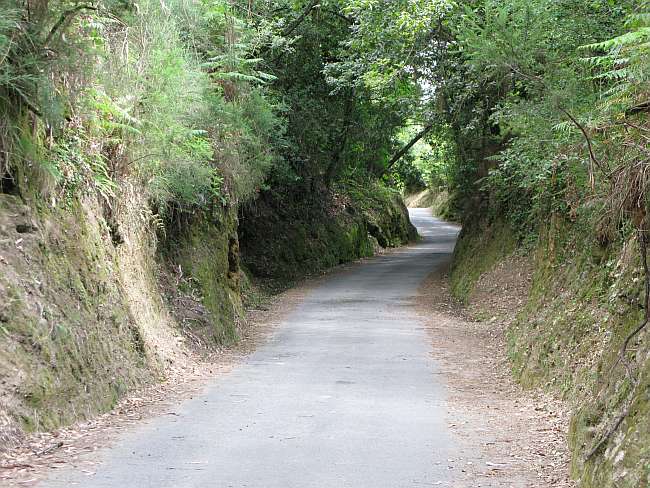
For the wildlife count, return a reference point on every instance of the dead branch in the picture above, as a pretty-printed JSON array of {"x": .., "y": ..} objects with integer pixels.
[
  {"x": 634, "y": 126},
  {"x": 610, "y": 432},
  {"x": 592, "y": 156},
  {"x": 64, "y": 18}
]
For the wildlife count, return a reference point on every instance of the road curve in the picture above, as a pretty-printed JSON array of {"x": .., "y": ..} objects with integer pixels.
[{"x": 344, "y": 394}]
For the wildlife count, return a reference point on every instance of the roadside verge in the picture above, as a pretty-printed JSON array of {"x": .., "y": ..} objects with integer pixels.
[{"x": 508, "y": 436}]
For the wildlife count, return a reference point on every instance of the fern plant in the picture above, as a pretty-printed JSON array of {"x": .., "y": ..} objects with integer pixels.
[
  {"x": 230, "y": 65},
  {"x": 623, "y": 63}
]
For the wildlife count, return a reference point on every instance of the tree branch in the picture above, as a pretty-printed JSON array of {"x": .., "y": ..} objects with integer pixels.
[
  {"x": 592, "y": 156},
  {"x": 64, "y": 17},
  {"x": 31, "y": 106},
  {"x": 540, "y": 80},
  {"x": 400, "y": 154},
  {"x": 292, "y": 27},
  {"x": 338, "y": 14}
]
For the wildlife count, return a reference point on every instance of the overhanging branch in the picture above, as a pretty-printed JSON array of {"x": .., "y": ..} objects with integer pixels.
[
  {"x": 400, "y": 154},
  {"x": 294, "y": 25}
]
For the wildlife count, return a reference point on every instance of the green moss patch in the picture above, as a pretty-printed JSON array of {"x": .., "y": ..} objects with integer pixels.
[
  {"x": 585, "y": 300},
  {"x": 288, "y": 238},
  {"x": 205, "y": 252}
]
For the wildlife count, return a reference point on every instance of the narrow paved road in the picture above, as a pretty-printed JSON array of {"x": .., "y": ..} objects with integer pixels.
[{"x": 344, "y": 394}]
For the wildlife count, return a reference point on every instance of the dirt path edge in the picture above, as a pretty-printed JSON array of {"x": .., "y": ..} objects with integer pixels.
[{"x": 509, "y": 437}]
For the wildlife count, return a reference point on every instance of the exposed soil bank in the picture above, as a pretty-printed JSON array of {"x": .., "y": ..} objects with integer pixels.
[
  {"x": 90, "y": 308},
  {"x": 581, "y": 303}
]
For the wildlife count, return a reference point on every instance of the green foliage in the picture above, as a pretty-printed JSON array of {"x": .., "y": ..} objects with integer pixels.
[
  {"x": 624, "y": 64},
  {"x": 335, "y": 126},
  {"x": 164, "y": 93},
  {"x": 385, "y": 45},
  {"x": 201, "y": 101},
  {"x": 31, "y": 63},
  {"x": 204, "y": 130},
  {"x": 428, "y": 164},
  {"x": 75, "y": 164},
  {"x": 17, "y": 76},
  {"x": 510, "y": 94}
]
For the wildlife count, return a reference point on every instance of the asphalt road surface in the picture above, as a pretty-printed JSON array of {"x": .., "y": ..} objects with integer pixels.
[{"x": 343, "y": 394}]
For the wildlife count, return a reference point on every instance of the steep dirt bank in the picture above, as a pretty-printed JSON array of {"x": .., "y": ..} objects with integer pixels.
[
  {"x": 89, "y": 306},
  {"x": 583, "y": 303},
  {"x": 290, "y": 238}
]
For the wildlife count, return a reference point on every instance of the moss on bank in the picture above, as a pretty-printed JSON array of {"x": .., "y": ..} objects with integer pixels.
[
  {"x": 478, "y": 250},
  {"x": 583, "y": 303},
  {"x": 70, "y": 347},
  {"x": 85, "y": 308},
  {"x": 290, "y": 238},
  {"x": 205, "y": 250}
]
